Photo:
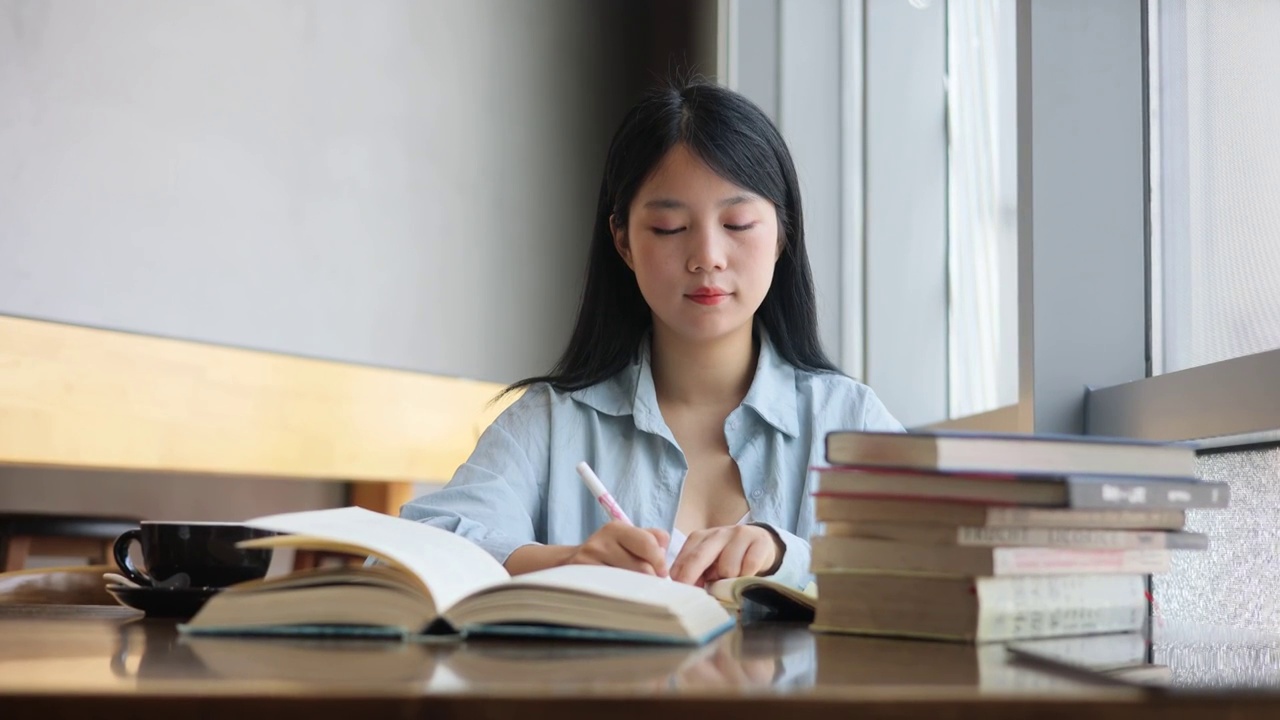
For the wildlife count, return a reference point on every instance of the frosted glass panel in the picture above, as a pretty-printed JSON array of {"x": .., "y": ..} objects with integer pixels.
[
  {"x": 1215, "y": 138},
  {"x": 982, "y": 206},
  {"x": 1217, "y": 618}
]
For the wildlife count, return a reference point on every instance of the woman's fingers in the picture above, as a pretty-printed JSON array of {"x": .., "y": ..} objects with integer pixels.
[
  {"x": 700, "y": 550},
  {"x": 708, "y": 555},
  {"x": 729, "y": 564},
  {"x": 644, "y": 546},
  {"x": 618, "y": 544},
  {"x": 724, "y": 552},
  {"x": 759, "y": 556},
  {"x": 662, "y": 536}
]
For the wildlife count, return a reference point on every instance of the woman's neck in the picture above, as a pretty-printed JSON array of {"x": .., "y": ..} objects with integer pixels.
[{"x": 717, "y": 372}]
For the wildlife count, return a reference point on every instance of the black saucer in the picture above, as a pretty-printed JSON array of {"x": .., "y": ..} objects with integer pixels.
[{"x": 163, "y": 602}]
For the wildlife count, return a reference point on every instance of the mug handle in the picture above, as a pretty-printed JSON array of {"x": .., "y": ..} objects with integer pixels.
[{"x": 121, "y": 553}]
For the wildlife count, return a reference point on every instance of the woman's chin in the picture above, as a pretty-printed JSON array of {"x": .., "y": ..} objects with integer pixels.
[{"x": 708, "y": 330}]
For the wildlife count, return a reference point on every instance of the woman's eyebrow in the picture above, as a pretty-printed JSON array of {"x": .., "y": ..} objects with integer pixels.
[
  {"x": 664, "y": 204},
  {"x": 735, "y": 200},
  {"x": 673, "y": 204}
]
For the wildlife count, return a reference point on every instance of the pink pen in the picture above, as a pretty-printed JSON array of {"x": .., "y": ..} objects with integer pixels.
[{"x": 601, "y": 494}]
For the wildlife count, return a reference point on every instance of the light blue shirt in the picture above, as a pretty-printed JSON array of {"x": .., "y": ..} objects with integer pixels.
[{"x": 519, "y": 486}]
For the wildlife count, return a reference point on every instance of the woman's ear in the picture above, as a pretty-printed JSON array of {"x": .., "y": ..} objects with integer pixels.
[
  {"x": 782, "y": 235},
  {"x": 620, "y": 241}
]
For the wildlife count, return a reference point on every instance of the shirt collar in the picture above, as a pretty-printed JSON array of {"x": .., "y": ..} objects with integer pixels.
[
  {"x": 773, "y": 390},
  {"x": 772, "y": 395}
]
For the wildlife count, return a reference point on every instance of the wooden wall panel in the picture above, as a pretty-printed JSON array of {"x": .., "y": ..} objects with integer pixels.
[{"x": 80, "y": 397}]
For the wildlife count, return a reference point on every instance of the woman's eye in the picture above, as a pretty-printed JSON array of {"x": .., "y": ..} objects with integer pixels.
[
  {"x": 739, "y": 228},
  {"x": 666, "y": 231}
]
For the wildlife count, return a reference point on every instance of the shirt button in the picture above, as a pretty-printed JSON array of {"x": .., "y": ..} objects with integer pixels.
[{"x": 757, "y": 493}]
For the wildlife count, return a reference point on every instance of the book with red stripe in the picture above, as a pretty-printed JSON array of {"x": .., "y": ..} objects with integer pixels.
[{"x": 852, "y": 509}]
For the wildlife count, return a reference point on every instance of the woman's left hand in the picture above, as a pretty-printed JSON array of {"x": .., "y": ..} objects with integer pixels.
[{"x": 726, "y": 552}]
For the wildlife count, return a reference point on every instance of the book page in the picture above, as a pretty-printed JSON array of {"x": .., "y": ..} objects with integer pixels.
[
  {"x": 611, "y": 582},
  {"x": 724, "y": 590},
  {"x": 451, "y": 566}
]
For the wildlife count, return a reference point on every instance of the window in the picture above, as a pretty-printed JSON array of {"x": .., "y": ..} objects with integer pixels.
[
  {"x": 982, "y": 209},
  {"x": 1046, "y": 224},
  {"x": 1215, "y": 166}
]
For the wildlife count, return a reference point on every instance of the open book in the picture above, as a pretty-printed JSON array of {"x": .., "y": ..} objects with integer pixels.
[
  {"x": 780, "y": 601},
  {"x": 430, "y": 581}
]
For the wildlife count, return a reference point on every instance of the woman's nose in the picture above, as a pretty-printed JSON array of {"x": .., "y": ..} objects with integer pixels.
[{"x": 707, "y": 251}]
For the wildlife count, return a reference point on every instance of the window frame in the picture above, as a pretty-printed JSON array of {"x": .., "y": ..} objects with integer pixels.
[
  {"x": 1225, "y": 404},
  {"x": 1084, "y": 278},
  {"x": 1221, "y": 404}
]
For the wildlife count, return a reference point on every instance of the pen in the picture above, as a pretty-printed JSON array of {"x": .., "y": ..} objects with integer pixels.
[{"x": 601, "y": 494}]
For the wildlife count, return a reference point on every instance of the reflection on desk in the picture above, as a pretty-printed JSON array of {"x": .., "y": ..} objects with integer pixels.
[
  {"x": 876, "y": 661},
  {"x": 69, "y": 652},
  {"x": 146, "y": 653},
  {"x": 752, "y": 656}
]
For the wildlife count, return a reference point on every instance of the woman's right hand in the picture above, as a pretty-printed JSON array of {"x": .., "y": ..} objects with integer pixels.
[{"x": 625, "y": 546}]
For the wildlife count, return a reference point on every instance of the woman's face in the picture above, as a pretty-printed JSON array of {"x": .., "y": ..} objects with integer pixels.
[{"x": 702, "y": 248}]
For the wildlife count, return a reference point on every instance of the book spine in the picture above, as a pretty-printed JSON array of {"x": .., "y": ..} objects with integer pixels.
[
  {"x": 1078, "y": 538},
  {"x": 1090, "y": 494},
  {"x": 1055, "y": 561},
  {"x": 1015, "y": 608},
  {"x": 1106, "y": 518}
]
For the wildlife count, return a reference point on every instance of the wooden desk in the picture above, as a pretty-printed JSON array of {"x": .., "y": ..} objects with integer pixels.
[{"x": 108, "y": 662}]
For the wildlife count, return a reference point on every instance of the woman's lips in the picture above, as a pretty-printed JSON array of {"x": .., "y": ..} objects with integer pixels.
[{"x": 713, "y": 296}]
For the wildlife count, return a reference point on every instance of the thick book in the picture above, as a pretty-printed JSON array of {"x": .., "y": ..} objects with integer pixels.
[
  {"x": 832, "y": 508},
  {"x": 1011, "y": 453},
  {"x": 980, "y": 609},
  {"x": 1084, "y": 492},
  {"x": 861, "y": 555},
  {"x": 1049, "y": 537},
  {"x": 431, "y": 581}
]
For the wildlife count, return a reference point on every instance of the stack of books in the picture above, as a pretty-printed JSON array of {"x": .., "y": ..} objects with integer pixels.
[{"x": 986, "y": 537}]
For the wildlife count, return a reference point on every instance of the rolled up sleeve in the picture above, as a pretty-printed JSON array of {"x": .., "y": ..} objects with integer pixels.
[
  {"x": 794, "y": 569},
  {"x": 496, "y": 498}
]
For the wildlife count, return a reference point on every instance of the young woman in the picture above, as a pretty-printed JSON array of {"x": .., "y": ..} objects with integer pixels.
[{"x": 694, "y": 383}]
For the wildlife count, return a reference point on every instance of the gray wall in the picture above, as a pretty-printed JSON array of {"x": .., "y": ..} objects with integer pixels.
[
  {"x": 400, "y": 183},
  {"x": 368, "y": 182}
]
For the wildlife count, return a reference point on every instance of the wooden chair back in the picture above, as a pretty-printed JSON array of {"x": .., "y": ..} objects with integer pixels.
[{"x": 79, "y": 585}]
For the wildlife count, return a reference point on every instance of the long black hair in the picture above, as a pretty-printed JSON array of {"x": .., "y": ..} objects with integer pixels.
[{"x": 737, "y": 141}]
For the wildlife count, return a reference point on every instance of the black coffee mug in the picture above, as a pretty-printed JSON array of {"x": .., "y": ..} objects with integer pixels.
[{"x": 205, "y": 552}]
